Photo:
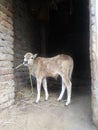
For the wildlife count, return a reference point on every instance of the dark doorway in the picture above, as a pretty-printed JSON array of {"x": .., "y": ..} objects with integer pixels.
[{"x": 68, "y": 32}]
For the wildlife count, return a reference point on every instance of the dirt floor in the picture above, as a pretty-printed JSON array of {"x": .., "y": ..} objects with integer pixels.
[{"x": 48, "y": 115}]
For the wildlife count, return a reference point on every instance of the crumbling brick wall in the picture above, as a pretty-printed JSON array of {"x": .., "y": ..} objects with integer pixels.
[
  {"x": 6, "y": 54},
  {"x": 19, "y": 33},
  {"x": 94, "y": 58}
]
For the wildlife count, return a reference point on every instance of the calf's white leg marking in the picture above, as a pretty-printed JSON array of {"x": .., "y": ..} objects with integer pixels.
[
  {"x": 69, "y": 85},
  {"x": 38, "y": 90},
  {"x": 62, "y": 91},
  {"x": 45, "y": 89}
]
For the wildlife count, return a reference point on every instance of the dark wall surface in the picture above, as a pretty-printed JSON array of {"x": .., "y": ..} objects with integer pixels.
[{"x": 69, "y": 33}]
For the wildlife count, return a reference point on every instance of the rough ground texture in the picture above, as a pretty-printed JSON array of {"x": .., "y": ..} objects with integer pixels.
[{"x": 48, "y": 115}]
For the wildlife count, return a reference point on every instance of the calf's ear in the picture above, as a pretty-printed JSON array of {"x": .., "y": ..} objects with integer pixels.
[{"x": 35, "y": 55}]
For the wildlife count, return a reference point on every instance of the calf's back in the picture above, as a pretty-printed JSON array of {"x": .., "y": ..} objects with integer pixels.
[{"x": 50, "y": 67}]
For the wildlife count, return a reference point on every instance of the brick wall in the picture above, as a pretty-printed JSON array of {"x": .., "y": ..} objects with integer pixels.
[
  {"x": 6, "y": 54},
  {"x": 19, "y": 33}
]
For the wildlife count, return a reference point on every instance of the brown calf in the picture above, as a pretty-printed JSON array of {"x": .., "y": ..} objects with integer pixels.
[{"x": 42, "y": 68}]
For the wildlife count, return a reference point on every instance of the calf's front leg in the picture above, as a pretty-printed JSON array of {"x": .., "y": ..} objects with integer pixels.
[{"x": 38, "y": 90}]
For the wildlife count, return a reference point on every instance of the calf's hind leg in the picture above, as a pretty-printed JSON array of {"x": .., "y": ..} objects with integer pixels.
[
  {"x": 62, "y": 91},
  {"x": 45, "y": 89},
  {"x": 69, "y": 87}
]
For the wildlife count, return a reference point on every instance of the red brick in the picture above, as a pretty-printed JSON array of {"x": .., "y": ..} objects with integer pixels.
[
  {"x": 4, "y": 57},
  {"x": 6, "y": 37},
  {"x": 6, "y": 50},
  {"x": 5, "y": 10},
  {"x": 6, "y": 30},
  {"x": 5, "y": 71},
  {"x": 6, "y": 63},
  {"x": 6, "y": 44},
  {"x": 6, "y": 18},
  {"x": 6, "y": 24},
  {"x": 6, "y": 77}
]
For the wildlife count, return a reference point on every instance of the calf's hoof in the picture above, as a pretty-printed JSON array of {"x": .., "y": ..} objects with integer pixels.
[
  {"x": 59, "y": 99},
  {"x": 37, "y": 101},
  {"x": 46, "y": 99},
  {"x": 67, "y": 103}
]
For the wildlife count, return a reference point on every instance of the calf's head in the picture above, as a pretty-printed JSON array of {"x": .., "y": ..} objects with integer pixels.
[{"x": 28, "y": 58}]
